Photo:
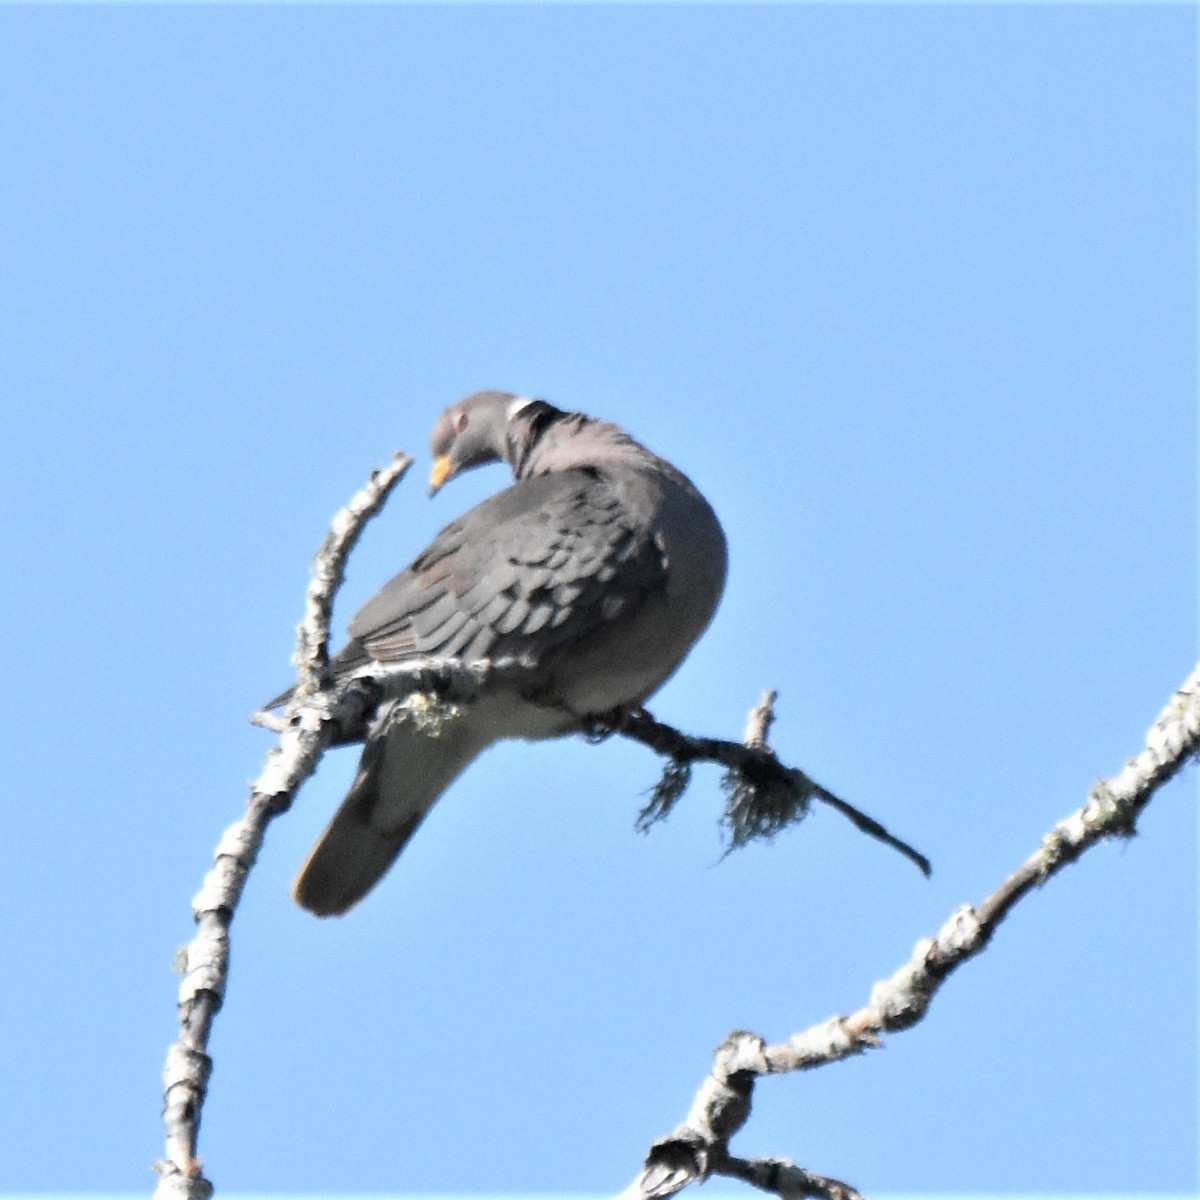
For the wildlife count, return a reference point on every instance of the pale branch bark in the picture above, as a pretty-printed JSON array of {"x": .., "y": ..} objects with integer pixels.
[
  {"x": 781, "y": 1177},
  {"x": 698, "y": 1147},
  {"x": 329, "y": 569},
  {"x": 760, "y": 720},
  {"x": 188, "y": 1066}
]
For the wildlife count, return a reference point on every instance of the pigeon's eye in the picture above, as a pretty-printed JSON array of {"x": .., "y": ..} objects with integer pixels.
[{"x": 460, "y": 422}]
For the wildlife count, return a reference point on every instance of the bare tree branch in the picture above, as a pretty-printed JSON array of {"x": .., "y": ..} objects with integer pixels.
[
  {"x": 762, "y": 794},
  {"x": 188, "y": 1066},
  {"x": 782, "y": 1178},
  {"x": 698, "y": 1147}
]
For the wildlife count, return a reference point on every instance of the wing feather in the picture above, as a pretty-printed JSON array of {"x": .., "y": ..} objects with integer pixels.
[{"x": 543, "y": 562}]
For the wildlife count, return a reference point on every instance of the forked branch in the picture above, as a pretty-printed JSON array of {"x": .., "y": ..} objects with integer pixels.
[{"x": 698, "y": 1147}]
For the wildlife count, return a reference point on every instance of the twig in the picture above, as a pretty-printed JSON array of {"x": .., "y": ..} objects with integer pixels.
[
  {"x": 188, "y": 1066},
  {"x": 781, "y": 1177},
  {"x": 698, "y": 1148},
  {"x": 760, "y": 720},
  {"x": 764, "y": 795},
  {"x": 328, "y": 571}
]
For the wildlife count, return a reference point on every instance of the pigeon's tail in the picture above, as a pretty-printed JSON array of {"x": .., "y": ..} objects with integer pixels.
[{"x": 403, "y": 772}]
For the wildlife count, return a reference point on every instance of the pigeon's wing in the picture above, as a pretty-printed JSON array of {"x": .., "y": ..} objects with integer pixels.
[{"x": 525, "y": 573}]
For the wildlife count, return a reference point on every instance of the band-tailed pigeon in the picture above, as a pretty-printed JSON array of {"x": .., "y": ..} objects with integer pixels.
[{"x": 599, "y": 567}]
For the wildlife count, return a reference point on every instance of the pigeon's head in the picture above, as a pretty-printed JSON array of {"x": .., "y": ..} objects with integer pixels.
[{"x": 471, "y": 432}]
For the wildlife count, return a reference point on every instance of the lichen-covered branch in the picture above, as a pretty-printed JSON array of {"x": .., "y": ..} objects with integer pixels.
[
  {"x": 698, "y": 1148},
  {"x": 301, "y": 744},
  {"x": 762, "y": 794}
]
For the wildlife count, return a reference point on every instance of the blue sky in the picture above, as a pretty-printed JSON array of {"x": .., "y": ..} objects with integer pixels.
[{"x": 909, "y": 291}]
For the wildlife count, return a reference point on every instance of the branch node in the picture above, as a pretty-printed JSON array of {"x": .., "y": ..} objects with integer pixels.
[
  {"x": 1105, "y": 811},
  {"x": 760, "y": 807},
  {"x": 671, "y": 1163},
  {"x": 959, "y": 937},
  {"x": 742, "y": 1052},
  {"x": 899, "y": 1001}
]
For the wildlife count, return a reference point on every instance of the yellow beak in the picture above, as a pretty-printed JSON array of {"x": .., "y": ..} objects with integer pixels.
[{"x": 439, "y": 472}]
